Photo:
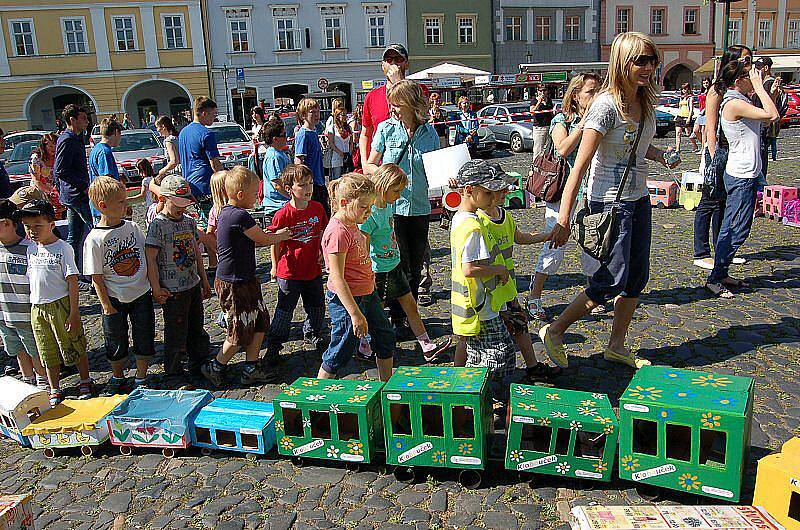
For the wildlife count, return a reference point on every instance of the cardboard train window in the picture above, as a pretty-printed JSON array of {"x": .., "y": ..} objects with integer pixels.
[
  {"x": 463, "y": 422},
  {"x": 432, "y": 421},
  {"x": 679, "y": 442},
  {"x": 320, "y": 425},
  {"x": 249, "y": 441},
  {"x": 645, "y": 437},
  {"x": 794, "y": 506},
  {"x": 293, "y": 422},
  {"x": 535, "y": 438},
  {"x": 401, "y": 418},
  {"x": 226, "y": 438},
  {"x": 348, "y": 426},
  {"x": 712, "y": 447},
  {"x": 203, "y": 435},
  {"x": 562, "y": 442},
  {"x": 590, "y": 444},
  {"x": 33, "y": 414},
  {"x": 7, "y": 421}
]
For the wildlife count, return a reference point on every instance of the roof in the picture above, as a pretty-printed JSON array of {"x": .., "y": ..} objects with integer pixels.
[
  {"x": 13, "y": 392},
  {"x": 169, "y": 408},
  {"x": 73, "y": 415},
  {"x": 538, "y": 401},
  {"x": 448, "y": 70},
  {"x": 331, "y": 392},
  {"x": 235, "y": 414},
  {"x": 442, "y": 379}
]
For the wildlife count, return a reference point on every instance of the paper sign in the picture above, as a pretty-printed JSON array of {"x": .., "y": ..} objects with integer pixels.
[
  {"x": 415, "y": 451},
  {"x": 303, "y": 449},
  {"x": 443, "y": 164}
]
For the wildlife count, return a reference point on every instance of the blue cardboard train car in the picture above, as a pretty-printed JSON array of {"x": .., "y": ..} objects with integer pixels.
[{"x": 235, "y": 425}]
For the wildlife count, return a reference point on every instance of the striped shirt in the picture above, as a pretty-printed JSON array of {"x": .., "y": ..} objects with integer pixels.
[{"x": 15, "y": 290}]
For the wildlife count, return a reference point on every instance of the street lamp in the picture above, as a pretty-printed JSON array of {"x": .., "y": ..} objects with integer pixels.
[{"x": 227, "y": 92}]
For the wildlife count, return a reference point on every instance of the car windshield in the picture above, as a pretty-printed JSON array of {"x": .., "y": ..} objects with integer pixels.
[
  {"x": 22, "y": 152},
  {"x": 520, "y": 113},
  {"x": 137, "y": 142},
  {"x": 227, "y": 135}
]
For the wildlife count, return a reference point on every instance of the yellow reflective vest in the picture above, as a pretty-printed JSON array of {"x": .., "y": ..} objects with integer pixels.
[
  {"x": 465, "y": 298},
  {"x": 500, "y": 240}
]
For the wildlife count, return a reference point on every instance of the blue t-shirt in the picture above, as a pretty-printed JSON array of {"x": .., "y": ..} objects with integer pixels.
[
  {"x": 101, "y": 162},
  {"x": 274, "y": 162},
  {"x": 306, "y": 145},
  {"x": 383, "y": 249},
  {"x": 197, "y": 145},
  {"x": 569, "y": 126}
]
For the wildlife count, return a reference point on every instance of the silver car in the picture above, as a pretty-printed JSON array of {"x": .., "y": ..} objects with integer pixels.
[
  {"x": 233, "y": 143},
  {"x": 136, "y": 144},
  {"x": 511, "y": 123}
]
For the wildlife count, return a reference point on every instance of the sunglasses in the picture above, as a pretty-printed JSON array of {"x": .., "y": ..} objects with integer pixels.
[
  {"x": 396, "y": 59},
  {"x": 643, "y": 60}
]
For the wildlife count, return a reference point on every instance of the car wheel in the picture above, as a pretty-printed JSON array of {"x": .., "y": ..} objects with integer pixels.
[{"x": 516, "y": 143}]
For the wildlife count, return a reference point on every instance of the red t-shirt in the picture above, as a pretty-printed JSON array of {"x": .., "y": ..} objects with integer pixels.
[
  {"x": 358, "y": 274},
  {"x": 298, "y": 257}
]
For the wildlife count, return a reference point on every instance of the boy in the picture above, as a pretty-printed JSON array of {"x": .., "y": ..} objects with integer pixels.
[
  {"x": 308, "y": 150},
  {"x": 475, "y": 281},
  {"x": 114, "y": 256},
  {"x": 237, "y": 286},
  {"x": 15, "y": 299},
  {"x": 178, "y": 278},
  {"x": 298, "y": 261},
  {"x": 55, "y": 317},
  {"x": 101, "y": 158}
]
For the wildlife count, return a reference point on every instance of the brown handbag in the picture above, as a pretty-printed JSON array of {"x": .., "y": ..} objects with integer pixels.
[{"x": 549, "y": 174}]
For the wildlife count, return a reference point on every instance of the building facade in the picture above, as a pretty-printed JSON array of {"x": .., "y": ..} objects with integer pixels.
[
  {"x": 769, "y": 27},
  {"x": 284, "y": 49},
  {"x": 115, "y": 57},
  {"x": 682, "y": 30},
  {"x": 454, "y": 31},
  {"x": 547, "y": 31}
]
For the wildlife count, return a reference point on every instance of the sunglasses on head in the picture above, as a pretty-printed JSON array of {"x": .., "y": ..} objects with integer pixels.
[{"x": 643, "y": 60}]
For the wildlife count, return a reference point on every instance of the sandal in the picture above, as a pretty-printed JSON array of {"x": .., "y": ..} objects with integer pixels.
[
  {"x": 56, "y": 397},
  {"x": 718, "y": 289}
]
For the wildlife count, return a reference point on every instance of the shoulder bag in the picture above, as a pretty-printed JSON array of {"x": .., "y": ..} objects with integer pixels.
[
  {"x": 714, "y": 171},
  {"x": 549, "y": 173}
]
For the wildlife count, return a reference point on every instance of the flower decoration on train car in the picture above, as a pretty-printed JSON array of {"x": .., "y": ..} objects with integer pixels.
[
  {"x": 710, "y": 420},
  {"x": 642, "y": 393}
]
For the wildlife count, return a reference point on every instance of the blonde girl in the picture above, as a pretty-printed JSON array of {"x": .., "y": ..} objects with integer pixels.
[
  {"x": 391, "y": 282},
  {"x": 220, "y": 198},
  {"x": 354, "y": 306},
  {"x": 610, "y": 129},
  {"x": 340, "y": 141}
]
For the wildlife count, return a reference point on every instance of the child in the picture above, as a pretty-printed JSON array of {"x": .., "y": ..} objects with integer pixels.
[
  {"x": 236, "y": 283},
  {"x": 178, "y": 278},
  {"x": 101, "y": 158},
  {"x": 147, "y": 174},
  {"x": 354, "y": 306},
  {"x": 298, "y": 261},
  {"x": 476, "y": 282},
  {"x": 55, "y": 316},
  {"x": 114, "y": 256},
  {"x": 391, "y": 282},
  {"x": 220, "y": 199},
  {"x": 308, "y": 150},
  {"x": 15, "y": 305}
]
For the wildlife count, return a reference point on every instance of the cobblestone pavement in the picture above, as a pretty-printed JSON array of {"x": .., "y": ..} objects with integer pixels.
[{"x": 678, "y": 324}]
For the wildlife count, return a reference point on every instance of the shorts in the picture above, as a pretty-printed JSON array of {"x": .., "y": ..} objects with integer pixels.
[
  {"x": 392, "y": 285},
  {"x": 142, "y": 318},
  {"x": 494, "y": 348},
  {"x": 203, "y": 212},
  {"x": 681, "y": 121},
  {"x": 515, "y": 318},
  {"x": 17, "y": 337},
  {"x": 701, "y": 120},
  {"x": 245, "y": 312},
  {"x": 56, "y": 345}
]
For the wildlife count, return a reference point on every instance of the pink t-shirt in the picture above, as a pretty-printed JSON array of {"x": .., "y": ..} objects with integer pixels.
[
  {"x": 213, "y": 217},
  {"x": 339, "y": 237}
]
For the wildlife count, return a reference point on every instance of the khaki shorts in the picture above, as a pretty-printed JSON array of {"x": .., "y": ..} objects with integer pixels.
[{"x": 56, "y": 346}]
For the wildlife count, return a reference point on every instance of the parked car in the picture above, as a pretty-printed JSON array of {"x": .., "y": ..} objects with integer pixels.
[
  {"x": 665, "y": 122},
  {"x": 792, "y": 117},
  {"x": 511, "y": 123},
  {"x": 670, "y": 104},
  {"x": 12, "y": 139},
  {"x": 486, "y": 139},
  {"x": 18, "y": 163},
  {"x": 233, "y": 142},
  {"x": 136, "y": 144}
]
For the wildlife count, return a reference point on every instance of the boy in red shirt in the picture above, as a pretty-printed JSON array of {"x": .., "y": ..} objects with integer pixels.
[{"x": 298, "y": 260}]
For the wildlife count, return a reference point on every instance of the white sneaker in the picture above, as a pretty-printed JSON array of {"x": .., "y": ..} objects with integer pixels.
[
  {"x": 739, "y": 261},
  {"x": 704, "y": 263}
]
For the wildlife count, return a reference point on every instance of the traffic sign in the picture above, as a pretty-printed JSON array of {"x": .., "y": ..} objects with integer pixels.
[
  {"x": 240, "y": 79},
  {"x": 322, "y": 83}
]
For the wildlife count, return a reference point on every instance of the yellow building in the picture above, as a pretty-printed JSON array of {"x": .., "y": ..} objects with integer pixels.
[{"x": 117, "y": 56}]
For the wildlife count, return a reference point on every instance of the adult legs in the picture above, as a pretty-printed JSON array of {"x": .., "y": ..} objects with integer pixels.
[
  {"x": 412, "y": 237},
  {"x": 79, "y": 222},
  {"x": 736, "y": 224}
]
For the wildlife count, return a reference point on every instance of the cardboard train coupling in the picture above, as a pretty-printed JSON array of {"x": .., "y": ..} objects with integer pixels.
[{"x": 672, "y": 518}]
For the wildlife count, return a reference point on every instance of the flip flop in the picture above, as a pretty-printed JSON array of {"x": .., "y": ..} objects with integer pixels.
[
  {"x": 718, "y": 289},
  {"x": 554, "y": 350}
]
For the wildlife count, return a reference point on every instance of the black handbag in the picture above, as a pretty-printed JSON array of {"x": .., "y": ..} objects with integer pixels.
[
  {"x": 714, "y": 173},
  {"x": 594, "y": 232}
]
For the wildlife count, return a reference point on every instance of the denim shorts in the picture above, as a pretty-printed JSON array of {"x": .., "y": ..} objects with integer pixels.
[
  {"x": 344, "y": 343},
  {"x": 142, "y": 318},
  {"x": 18, "y": 337}
]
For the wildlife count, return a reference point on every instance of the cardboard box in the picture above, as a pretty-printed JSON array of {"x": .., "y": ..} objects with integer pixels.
[
  {"x": 332, "y": 419},
  {"x": 686, "y": 430},
  {"x": 235, "y": 425},
  {"x": 437, "y": 417},
  {"x": 671, "y": 518},
  {"x": 778, "y": 484},
  {"x": 15, "y": 512},
  {"x": 561, "y": 432}
]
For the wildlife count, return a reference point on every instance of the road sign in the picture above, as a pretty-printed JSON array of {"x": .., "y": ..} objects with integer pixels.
[
  {"x": 322, "y": 83},
  {"x": 240, "y": 79}
]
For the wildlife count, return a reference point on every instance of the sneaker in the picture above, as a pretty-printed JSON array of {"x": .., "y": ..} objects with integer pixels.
[
  {"x": 86, "y": 390},
  {"x": 56, "y": 397},
  {"x": 114, "y": 387},
  {"x": 739, "y": 261},
  {"x": 601, "y": 309},
  {"x": 256, "y": 374},
  {"x": 535, "y": 309},
  {"x": 313, "y": 340},
  {"x": 541, "y": 372},
  {"x": 625, "y": 358},
  {"x": 41, "y": 383},
  {"x": 435, "y": 355},
  {"x": 704, "y": 263},
  {"x": 140, "y": 383},
  {"x": 214, "y": 376},
  {"x": 11, "y": 371},
  {"x": 425, "y": 299},
  {"x": 364, "y": 352}
]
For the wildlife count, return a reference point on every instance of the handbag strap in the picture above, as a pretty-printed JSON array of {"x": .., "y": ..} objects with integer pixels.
[{"x": 631, "y": 159}]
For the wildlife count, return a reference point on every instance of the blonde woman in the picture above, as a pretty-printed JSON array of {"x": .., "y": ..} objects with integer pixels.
[
  {"x": 610, "y": 129},
  {"x": 402, "y": 140}
]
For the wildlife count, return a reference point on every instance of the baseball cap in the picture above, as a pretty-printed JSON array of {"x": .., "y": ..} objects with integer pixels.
[
  {"x": 26, "y": 194},
  {"x": 485, "y": 174},
  {"x": 8, "y": 209},
  {"x": 177, "y": 189},
  {"x": 36, "y": 207},
  {"x": 397, "y": 48}
]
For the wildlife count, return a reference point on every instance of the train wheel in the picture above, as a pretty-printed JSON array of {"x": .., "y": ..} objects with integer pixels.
[
  {"x": 87, "y": 450},
  {"x": 49, "y": 453},
  {"x": 298, "y": 461},
  {"x": 126, "y": 450},
  {"x": 470, "y": 478},
  {"x": 205, "y": 451},
  {"x": 168, "y": 452},
  {"x": 353, "y": 466},
  {"x": 405, "y": 474},
  {"x": 648, "y": 492},
  {"x": 251, "y": 456}
]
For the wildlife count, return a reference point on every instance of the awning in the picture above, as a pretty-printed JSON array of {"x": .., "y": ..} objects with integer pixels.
[
  {"x": 780, "y": 63},
  {"x": 707, "y": 67},
  {"x": 448, "y": 70}
]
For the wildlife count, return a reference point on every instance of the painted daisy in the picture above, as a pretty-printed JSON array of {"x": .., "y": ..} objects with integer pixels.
[
  {"x": 287, "y": 443},
  {"x": 524, "y": 390},
  {"x": 315, "y": 397},
  {"x": 278, "y": 425},
  {"x": 356, "y": 447},
  {"x": 335, "y": 408},
  {"x": 629, "y": 463},
  {"x": 587, "y": 411},
  {"x": 291, "y": 391},
  {"x": 527, "y": 406},
  {"x": 515, "y": 455},
  {"x": 598, "y": 395},
  {"x": 544, "y": 421},
  {"x": 575, "y": 425},
  {"x": 641, "y": 393},
  {"x": 589, "y": 403},
  {"x": 600, "y": 466},
  {"x": 306, "y": 423},
  {"x": 465, "y": 448},
  {"x": 357, "y": 399},
  {"x": 603, "y": 420},
  {"x": 439, "y": 457},
  {"x": 333, "y": 388},
  {"x": 559, "y": 414},
  {"x": 362, "y": 388},
  {"x": 552, "y": 396},
  {"x": 333, "y": 452},
  {"x": 710, "y": 420},
  {"x": 712, "y": 380},
  {"x": 689, "y": 482},
  {"x": 562, "y": 468},
  {"x": 310, "y": 382},
  {"x": 439, "y": 385}
]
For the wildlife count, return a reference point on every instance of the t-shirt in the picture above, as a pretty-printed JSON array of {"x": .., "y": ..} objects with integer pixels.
[
  {"x": 476, "y": 249},
  {"x": 177, "y": 260},
  {"x": 342, "y": 143},
  {"x": 383, "y": 249},
  {"x": 236, "y": 252},
  {"x": 274, "y": 162},
  {"x": 298, "y": 257},
  {"x": 307, "y": 147},
  {"x": 15, "y": 289},
  {"x": 376, "y": 110},
  {"x": 540, "y": 118},
  {"x": 148, "y": 195},
  {"x": 569, "y": 126},
  {"x": 197, "y": 145},
  {"x": 611, "y": 158},
  {"x": 339, "y": 237},
  {"x": 101, "y": 162},
  {"x": 48, "y": 268},
  {"x": 118, "y": 254}
]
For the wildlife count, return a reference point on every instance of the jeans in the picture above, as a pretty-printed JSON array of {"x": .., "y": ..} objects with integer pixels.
[
  {"x": 761, "y": 181},
  {"x": 289, "y": 292},
  {"x": 143, "y": 329},
  {"x": 736, "y": 224},
  {"x": 79, "y": 222},
  {"x": 772, "y": 144},
  {"x": 184, "y": 331},
  {"x": 412, "y": 238},
  {"x": 708, "y": 216}
]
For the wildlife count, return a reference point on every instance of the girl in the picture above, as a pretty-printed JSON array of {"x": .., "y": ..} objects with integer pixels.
[
  {"x": 683, "y": 121},
  {"x": 467, "y": 125},
  {"x": 166, "y": 129},
  {"x": 259, "y": 117},
  {"x": 41, "y": 169},
  {"x": 147, "y": 174},
  {"x": 566, "y": 132},
  {"x": 619, "y": 117},
  {"x": 438, "y": 119},
  {"x": 699, "y": 125},
  {"x": 340, "y": 141},
  {"x": 741, "y": 123},
  {"x": 355, "y": 125},
  {"x": 220, "y": 198},
  {"x": 391, "y": 282},
  {"x": 354, "y": 306}
]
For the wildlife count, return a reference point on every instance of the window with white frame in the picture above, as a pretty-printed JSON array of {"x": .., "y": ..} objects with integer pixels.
[
  {"x": 173, "y": 31},
  {"x": 513, "y": 28},
  {"x": 333, "y": 26},
  {"x": 23, "y": 37},
  {"x": 376, "y": 24},
  {"x": 433, "y": 29},
  {"x": 466, "y": 29},
  {"x": 287, "y": 31},
  {"x": 124, "y": 33},
  {"x": 572, "y": 27},
  {"x": 735, "y": 31},
  {"x": 542, "y": 28},
  {"x": 690, "y": 17},
  {"x": 623, "y": 19},
  {"x": 793, "y": 33},
  {"x": 657, "y": 17},
  {"x": 74, "y": 35},
  {"x": 765, "y": 33},
  {"x": 238, "y": 20}
]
